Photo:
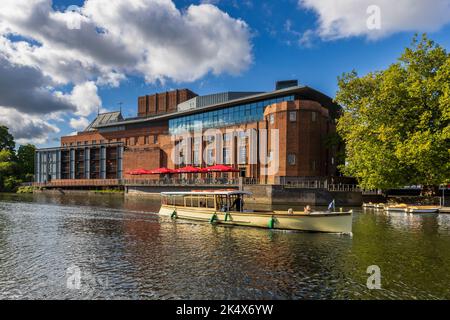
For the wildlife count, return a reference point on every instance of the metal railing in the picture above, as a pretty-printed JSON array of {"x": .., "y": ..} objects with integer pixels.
[{"x": 299, "y": 184}]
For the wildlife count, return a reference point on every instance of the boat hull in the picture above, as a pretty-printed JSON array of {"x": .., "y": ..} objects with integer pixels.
[
  {"x": 396, "y": 209},
  {"x": 331, "y": 223},
  {"x": 421, "y": 210}
]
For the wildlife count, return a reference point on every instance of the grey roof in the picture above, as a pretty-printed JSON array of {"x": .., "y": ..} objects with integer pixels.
[
  {"x": 105, "y": 119},
  {"x": 301, "y": 90}
]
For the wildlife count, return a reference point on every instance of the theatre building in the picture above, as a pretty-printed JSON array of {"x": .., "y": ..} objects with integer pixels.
[{"x": 269, "y": 137}]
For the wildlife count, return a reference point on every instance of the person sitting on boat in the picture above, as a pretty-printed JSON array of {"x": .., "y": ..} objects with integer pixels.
[
  {"x": 237, "y": 204},
  {"x": 307, "y": 210}
]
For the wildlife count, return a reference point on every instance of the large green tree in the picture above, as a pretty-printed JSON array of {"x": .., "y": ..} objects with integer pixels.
[
  {"x": 396, "y": 122},
  {"x": 6, "y": 139},
  {"x": 25, "y": 160}
]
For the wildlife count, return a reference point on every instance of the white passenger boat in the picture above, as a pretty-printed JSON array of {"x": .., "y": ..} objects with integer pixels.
[
  {"x": 379, "y": 206},
  {"x": 228, "y": 208},
  {"x": 423, "y": 209},
  {"x": 369, "y": 205}
]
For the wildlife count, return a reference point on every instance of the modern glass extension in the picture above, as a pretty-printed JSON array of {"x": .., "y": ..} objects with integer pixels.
[{"x": 229, "y": 116}]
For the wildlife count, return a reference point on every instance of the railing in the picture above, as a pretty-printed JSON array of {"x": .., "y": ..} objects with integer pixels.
[
  {"x": 181, "y": 182},
  {"x": 300, "y": 184},
  {"x": 79, "y": 183}
]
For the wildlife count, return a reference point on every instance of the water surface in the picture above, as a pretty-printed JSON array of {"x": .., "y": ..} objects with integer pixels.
[{"x": 124, "y": 251}]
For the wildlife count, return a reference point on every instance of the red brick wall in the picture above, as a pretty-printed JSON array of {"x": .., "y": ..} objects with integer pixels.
[{"x": 164, "y": 102}]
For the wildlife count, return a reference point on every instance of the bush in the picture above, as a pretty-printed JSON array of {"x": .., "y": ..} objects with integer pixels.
[
  {"x": 25, "y": 189},
  {"x": 10, "y": 184}
]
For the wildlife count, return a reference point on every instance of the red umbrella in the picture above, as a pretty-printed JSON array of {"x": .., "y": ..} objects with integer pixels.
[
  {"x": 162, "y": 171},
  {"x": 138, "y": 172},
  {"x": 221, "y": 168},
  {"x": 189, "y": 169}
]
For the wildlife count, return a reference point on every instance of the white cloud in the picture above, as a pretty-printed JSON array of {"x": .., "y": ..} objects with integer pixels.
[
  {"x": 150, "y": 38},
  {"x": 79, "y": 123},
  {"x": 348, "y": 18},
  {"x": 26, "y": 128},
  {"x": 85, "y": 97}
]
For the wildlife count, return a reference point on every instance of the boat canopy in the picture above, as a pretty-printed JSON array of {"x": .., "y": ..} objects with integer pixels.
[{"x": 207, "y": 193}]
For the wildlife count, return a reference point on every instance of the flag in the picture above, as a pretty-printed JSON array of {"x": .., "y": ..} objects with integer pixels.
[{"x": 332, "y": 205}]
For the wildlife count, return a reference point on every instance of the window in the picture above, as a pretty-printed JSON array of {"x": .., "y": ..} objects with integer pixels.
[
  {"x": 292, "y": 159},
  {"x": 226, "y": 156},
  {"x": 197, "y": 157},
  {"x": 272, "y": 118},
  {"x": 293, "y": 116},
  {"x": 313, "y": 165},
  {"x": 210, "y": 156},
  {"x": 94, "y": 141},
  {"x": 146, "y": 140},
  {"x": 242, "y": 155},
  {"x": 314, "y": 116},
  {"x": 155, "y": 139}
]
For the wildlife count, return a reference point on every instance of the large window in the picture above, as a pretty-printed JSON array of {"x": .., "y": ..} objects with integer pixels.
[
  {"x": 224, "y": 117},
  {"x": 226, "y": 156}
]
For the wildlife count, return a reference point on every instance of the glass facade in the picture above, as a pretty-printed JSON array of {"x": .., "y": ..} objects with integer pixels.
[{"x": 228, "y": 116}]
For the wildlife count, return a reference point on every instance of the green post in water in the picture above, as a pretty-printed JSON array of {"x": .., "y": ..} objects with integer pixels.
[
  {"x": 213, "y": 218},
  {"x": 272, "y": 223}
]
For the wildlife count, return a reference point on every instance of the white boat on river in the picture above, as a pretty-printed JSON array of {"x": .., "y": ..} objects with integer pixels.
[{"x": 227, "y": 207}]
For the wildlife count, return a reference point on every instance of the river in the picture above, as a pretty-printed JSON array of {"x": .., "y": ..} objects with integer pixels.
[{"x": 108, "y": 247}]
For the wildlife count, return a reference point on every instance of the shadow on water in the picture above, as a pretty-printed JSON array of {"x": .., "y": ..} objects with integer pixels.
[{"x": 123, "y": 250}]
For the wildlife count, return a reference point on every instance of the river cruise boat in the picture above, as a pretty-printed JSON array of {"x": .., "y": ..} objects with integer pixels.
[
  {"x": 423, "y": 209},
  {"x": 228, "y": 208}
]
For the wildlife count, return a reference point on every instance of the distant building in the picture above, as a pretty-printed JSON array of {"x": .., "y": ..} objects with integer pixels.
[{"x": 244, "y": 122}]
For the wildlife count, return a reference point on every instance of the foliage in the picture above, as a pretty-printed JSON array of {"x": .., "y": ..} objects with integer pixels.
[
  {"x": 11, "y": 183},
  {"x": 396, "y": 122},
  {"x": 25, "y": 189},
  {"x": 25, "y": 159},
  {"x": 14, "y": 167},
  {"x": 6, "y": 139}
]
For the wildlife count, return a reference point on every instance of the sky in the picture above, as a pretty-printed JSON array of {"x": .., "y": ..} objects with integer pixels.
[{"x": 62, "y": 61}]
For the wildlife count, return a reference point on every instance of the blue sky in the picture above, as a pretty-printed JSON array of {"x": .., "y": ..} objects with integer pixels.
[{"x": 276, "y": 29}]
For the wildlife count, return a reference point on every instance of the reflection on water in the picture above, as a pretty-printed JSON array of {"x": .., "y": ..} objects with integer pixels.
[{"x": 123, "y": 251}]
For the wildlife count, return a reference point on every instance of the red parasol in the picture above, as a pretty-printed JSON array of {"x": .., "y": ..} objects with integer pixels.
[
  {"x": 138, "y": 172},
  {"x": 189, "y": 169},
  {"x": 221, "y": 168},
  {"x": 162, "y": 171}
]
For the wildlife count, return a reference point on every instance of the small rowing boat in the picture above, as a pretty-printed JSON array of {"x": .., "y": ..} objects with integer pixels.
[{"x": 227, "y": 207}]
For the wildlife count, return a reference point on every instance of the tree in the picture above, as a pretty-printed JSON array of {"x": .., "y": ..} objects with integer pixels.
[
  {"x": 25, "y": 160},
  {"x": 396, "y": 122},
  {"x": 7, "y": 166},
  {"x": 6, "y": 139}
]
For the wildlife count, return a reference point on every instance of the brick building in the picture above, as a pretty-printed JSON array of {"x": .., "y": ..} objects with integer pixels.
[{"x": 179, "y": 128}]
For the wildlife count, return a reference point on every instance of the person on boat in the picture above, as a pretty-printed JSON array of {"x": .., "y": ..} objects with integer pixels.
[
  {"x": 307, "y": 210},
  {"x": 237, "y": 204}
]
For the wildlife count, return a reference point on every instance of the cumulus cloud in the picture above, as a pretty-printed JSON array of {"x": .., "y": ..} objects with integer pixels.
[
  {"x": 79, "y": 123},
  {"x": 348, "y": 18},
  {"x": 26, "y": 128},
  {"x": 104, "y": 42}
]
